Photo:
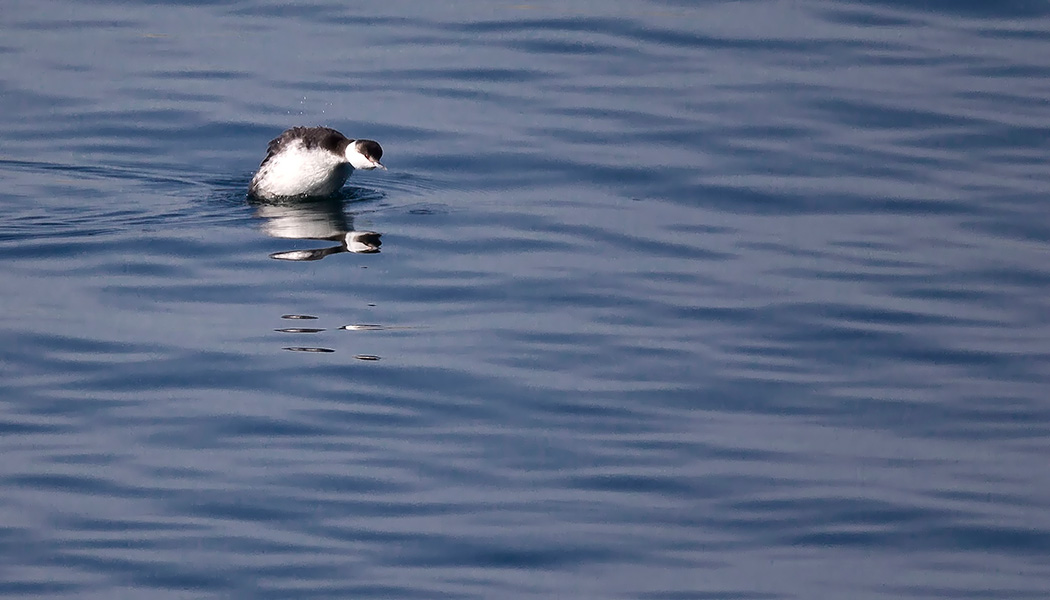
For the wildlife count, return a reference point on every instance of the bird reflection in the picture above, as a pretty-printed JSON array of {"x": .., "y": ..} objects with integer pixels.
[{"x": 314, "y": 219}]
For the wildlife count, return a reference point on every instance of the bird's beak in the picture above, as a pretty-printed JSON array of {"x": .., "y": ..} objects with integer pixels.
[{"x": 377, "y": 165}]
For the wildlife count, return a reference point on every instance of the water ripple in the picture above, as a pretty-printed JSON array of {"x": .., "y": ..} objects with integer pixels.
[{"x": 674, "y": 300}]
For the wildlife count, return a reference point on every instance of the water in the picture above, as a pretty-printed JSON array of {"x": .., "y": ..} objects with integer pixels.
[{"x": 674, "y": 300}]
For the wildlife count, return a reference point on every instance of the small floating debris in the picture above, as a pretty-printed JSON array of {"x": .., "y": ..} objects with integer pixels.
[
  {"x": 299, "y": 330},
  {"x": 366, "y": 357},
  {"x": 363, "y": 327},
  {"x": 307, "y": 349},
  {"x": 298, "y": 317}
]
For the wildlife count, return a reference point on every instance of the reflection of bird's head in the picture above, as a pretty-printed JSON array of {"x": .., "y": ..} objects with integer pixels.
[
  {"x": 358, "y": 242},
  {"x": 365, "y": 242}
]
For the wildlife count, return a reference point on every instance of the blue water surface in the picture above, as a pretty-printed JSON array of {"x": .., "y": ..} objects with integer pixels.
[{"x": 675, "y": 300}]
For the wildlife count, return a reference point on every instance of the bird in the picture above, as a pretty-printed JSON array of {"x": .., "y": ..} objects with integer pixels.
[{"x": 311, "y": 162}]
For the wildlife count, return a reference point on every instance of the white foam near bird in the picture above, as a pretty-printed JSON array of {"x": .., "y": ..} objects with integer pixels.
[{"x": 312, "y": 161}]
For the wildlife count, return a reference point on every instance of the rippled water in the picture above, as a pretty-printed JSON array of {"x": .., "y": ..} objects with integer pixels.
[{"x": 674, "y": 300}]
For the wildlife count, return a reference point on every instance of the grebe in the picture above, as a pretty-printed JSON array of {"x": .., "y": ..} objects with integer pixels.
[{"x": 311, "y": 161}]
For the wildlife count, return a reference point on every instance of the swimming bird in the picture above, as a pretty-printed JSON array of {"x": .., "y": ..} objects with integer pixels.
[{"x": 311, "y": 161}]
